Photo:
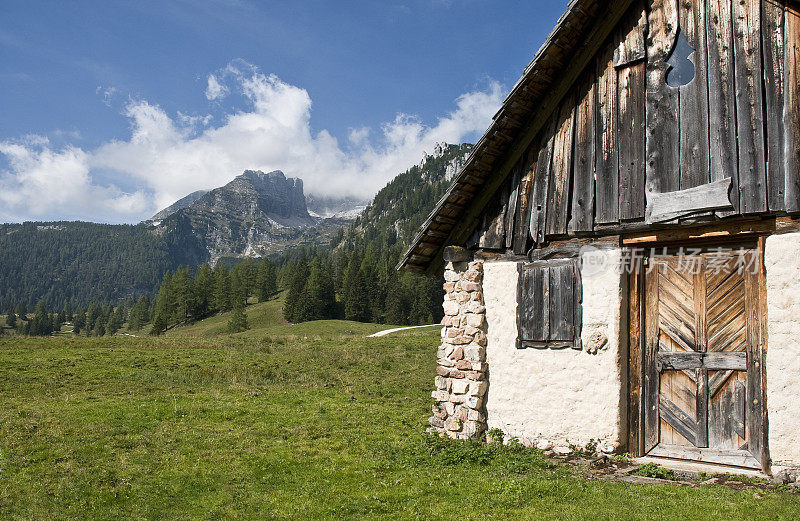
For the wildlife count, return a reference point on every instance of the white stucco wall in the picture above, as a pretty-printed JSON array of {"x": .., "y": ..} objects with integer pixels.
[
  {"x": 545, "y": 395},
  {"x": 782, "y": 262}
]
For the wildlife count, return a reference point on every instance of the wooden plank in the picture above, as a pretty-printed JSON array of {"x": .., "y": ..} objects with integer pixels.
[
  {"x": 717, "y": 230},
  {"x": 791, "y": 107},
  {"x": 662, "y": 207},
  {"x": 511, "y": 207},
  {"x": 583, "y": 158},
  {"x": 663, "y": 145},
  {"x": 577, "y": 300},
  {"x": 678, "y": 419},
  {"x": 630, "y": 46},
  {"x": 522, "y": 223},
  {"x": 693, "y": 98},
  {"x": 739, "y": 409},
  {"x": 561, "y": 169},
  {"x": 678, "y": 361},
  {"x": 701, "y": 342},
  {"x": 735, "y": 458},
  {"x": 635, "y": 404},
  {"x": 541, "y": 182},
  {"x": 557, "y": 290},
  {"x": 755, "y": 404},
  {"x": 772, "y": 42},
  {"x": 631, "y": 141},
  {"x": 721, "y": 98},
  {"x": 650, "y": 390},
  {"x": 606, "y": 150},
  {"x": 749, "y": 106}
]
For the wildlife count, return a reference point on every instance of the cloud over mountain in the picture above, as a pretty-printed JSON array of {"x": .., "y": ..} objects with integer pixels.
[{"x": 168, "y": 156}]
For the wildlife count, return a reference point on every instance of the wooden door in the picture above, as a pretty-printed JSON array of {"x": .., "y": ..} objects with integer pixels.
[{"x": 702, "y": 357}]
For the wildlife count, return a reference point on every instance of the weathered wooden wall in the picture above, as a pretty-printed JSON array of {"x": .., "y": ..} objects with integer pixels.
[{"x": 622, "y": 131}]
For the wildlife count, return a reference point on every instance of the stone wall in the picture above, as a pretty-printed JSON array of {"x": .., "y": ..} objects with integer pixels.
[{"x": 461, "y": 371}]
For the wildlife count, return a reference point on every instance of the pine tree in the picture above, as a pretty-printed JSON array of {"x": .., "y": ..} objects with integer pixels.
[
  {"x": 293, "y": 307},
  {"x": 355, "y": 293},
  {"x": 99, "y": 328},
  {"x": 139, "y": 315},
  {"x": 204, "y": 292},
  {"x": 116, "y": 320},
  {"x": 11, "y": 319},
  {"x": 164, "y": 306},
  {"x": 222, "y": 287},
  {"x": 238, "y": 321},
  {"x": 267, "y": 284},
  {"x": 91, "y": 317},
  {"x": 78, "y": 321},
  {"x": 22, "y": 311},
  {"x": 318, "y": 301},
  {"x": 182, "y": 296}
]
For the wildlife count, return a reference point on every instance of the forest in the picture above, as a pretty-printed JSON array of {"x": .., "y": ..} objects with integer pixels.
[{"x": 352, "y": 278}]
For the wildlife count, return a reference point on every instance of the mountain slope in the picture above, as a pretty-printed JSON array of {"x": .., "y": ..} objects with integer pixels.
[{"x": 180, "y": 204}]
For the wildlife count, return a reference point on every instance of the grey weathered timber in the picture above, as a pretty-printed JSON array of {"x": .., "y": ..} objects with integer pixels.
[
  {"x": 736, "y": 458},
  {"x": 716, "y": 361},
  {"x": 650, "y": 391},
  {"x": 523, "y": 221},
  {"x": 511, "y": 207},
  {"x": 541, "y": 181},
  {"x": 749, "y": 106},
  {"x": 693, "y": 102},
  {"x": 671, "y": 205},
  {"x": 561, "y": 169},
  {"x": 583, "y": 159},
  {"x": 791, "y": 107},
  {"x": 755, "y": 403},
  {"x": 772, "y": 41},
  {"x": 721, "y": 99},
  {"x": 662, "y": 140},
  {"x": 631, "y": 142},
  {"x": 607, "y": 156},
  {"x": 493, "y": 221},
  {"x": 630, "y": 45}
]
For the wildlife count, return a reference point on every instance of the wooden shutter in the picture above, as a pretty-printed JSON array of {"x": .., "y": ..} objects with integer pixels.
[{"x": 549, "y": 304}]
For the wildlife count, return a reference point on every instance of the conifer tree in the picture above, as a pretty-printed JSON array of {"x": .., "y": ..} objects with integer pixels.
[
  {"x": 204, "y": 292},
  {"x": 99, "y": 328},
  {"x": 164, "y": 306},
  {"x": 78, "y": 321},
  {"x": 222, "y": 287},
  {"x": 355, "y": 293},
  {"x": 181, "y": 296},
  {"x": 91, "y": 317},
  {"x": 238, "y": 321},
  {"x": 267, "y": 284},
  {"x": 293, "y": 307},
  {"x": 11, "y": 319},
  {"x": 318, "y": 301}
]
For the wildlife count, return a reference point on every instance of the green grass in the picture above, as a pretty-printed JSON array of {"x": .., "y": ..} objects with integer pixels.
[{"x": 312, "y": 421}]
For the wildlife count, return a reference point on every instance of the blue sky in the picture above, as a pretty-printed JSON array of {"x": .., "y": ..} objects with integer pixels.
[{"x": 122, "y": 107}]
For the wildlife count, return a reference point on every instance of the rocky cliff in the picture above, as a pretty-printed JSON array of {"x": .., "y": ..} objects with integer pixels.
[{"x": 255, "y": 214}]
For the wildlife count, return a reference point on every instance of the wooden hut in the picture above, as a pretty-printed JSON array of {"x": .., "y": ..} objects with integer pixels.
[{"x": 620, "y": 255}]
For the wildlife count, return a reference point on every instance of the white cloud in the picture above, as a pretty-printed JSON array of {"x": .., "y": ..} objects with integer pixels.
[
  {"x": 215, "y": 90},
  {"x": 167, "y": 157}
]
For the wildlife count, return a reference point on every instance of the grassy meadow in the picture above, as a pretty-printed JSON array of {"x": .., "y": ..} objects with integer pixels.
[{"x": 311, "y": 421}]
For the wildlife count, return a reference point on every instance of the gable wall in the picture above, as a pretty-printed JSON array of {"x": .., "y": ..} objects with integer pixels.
[{"x": 622, "y": 132}]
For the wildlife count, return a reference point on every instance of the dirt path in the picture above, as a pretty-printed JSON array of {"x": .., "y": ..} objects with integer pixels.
[{"x": 387, "y": 331}]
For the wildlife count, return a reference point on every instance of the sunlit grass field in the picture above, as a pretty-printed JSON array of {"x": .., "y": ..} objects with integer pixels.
[{"x": 306, "y": 421}]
